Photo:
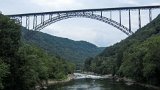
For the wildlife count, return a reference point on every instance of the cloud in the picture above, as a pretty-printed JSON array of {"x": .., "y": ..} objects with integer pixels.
[
  {"x": 129, "y": 2},
  {"x": 155, "y": 3},
  {"x": 56, "y": 4}
]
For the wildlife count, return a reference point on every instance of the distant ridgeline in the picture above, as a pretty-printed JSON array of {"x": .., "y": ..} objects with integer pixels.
[
  {"x": 74, "y": 51},
  {"x": 137, "y": 57}
]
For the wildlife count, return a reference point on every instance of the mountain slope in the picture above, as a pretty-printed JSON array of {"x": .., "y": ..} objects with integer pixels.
[
  {"x": 136, "y": 57},
  {"x": 75, "y": 51}
]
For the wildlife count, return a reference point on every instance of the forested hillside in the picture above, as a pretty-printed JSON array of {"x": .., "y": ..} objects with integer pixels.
[
  {"x": 137, "y": 57},
  {"x": 74, "y": 51},
  {"x": 24, "y": 66}
]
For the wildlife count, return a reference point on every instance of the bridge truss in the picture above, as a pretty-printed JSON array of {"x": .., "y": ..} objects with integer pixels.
[{"x": 41, "y": 20}]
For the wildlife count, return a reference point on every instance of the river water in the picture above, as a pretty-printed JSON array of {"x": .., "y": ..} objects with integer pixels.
[{"x": 92, "y": 82}]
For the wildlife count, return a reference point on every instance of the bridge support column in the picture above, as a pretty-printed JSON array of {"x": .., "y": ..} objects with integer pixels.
[
  {"x": 120, "y": 17},
  {"x": 129, "y": 20},
  {"x": 101, "y": 14},
  {"x": 59, "y": 15},
  {"x": 27, "y": 22},
  {"x": 34, "y": 21},
  {"x": 42, "y": 19},
  {"x": 67, "y": 14},
  {"x": 50, "y": 16},
  {"x": 139, "y": 16},
  {"x": 92, "y": 13},
  {"x": 111, "y": 15},
  {"x": 150, "y": 14},
  {"x": 20, "y": 20}
]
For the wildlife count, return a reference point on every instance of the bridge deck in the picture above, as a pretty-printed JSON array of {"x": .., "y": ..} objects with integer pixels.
[{"x": 85, "y": 10}]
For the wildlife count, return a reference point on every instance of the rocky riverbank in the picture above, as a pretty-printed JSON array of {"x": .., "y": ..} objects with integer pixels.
[
  {"x": 131, "y": 82},
  {"x": 43, "y": 85},
  {"x": 149, "y": 86},
  {"x": 69, "y": 78}
]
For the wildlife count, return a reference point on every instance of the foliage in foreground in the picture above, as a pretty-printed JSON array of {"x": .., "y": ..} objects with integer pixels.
[
  {"x": 137, "y": 57},
  {"x": 24, "y": 66}
]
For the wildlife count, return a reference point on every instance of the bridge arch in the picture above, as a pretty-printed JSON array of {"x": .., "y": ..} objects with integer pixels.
[
  {"x": 83, "y": 15},
  {"x": 86, "y": 13}
]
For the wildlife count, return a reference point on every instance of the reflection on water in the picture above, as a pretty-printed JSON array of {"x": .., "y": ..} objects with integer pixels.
[{"x": 97, "y": 84}]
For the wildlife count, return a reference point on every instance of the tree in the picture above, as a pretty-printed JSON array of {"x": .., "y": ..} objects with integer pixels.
[
  {"x": 9, "y": 43},
  {"x": 4, "y": 70}
]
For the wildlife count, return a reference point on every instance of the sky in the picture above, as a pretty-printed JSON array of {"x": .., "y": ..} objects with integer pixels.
[{"x": 96, "y": 32}]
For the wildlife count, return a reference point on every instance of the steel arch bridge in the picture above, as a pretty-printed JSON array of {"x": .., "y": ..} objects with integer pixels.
[{"x": 41, "y": 20}]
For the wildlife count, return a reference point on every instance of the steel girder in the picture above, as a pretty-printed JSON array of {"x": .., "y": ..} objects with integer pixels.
[{"x": 84, "y": 15}]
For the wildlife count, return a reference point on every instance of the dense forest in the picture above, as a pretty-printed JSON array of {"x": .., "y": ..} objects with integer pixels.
[
  {"x": 74, "y": 51},
  {"x": 24, "y": 66},
  {"x": 137, "y": 57}
]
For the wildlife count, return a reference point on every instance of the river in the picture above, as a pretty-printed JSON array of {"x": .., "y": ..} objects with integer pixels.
[{"x": 92, "y": 82}]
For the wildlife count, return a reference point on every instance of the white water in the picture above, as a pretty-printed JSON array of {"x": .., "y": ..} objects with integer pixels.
[{"x": 82, "y": 76}]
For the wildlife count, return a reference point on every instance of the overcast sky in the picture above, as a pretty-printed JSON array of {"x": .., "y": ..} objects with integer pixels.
[{"x": 96, "y": 32}]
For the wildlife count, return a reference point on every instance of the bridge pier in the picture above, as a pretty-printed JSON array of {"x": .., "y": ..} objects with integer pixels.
[
  {"x": 42, "y": 19},
  {"x": 150, "y": 15},
  {"x": 120, "y": 17},
  {"x": 34, "y": 21},
  {"x": 139, "y": 16},
  {"x": 129, "y": 20},
  {"x": 101, "y": 14},
  {"x": 111, "y": 15},
  {"x": 27, "y": 22}
]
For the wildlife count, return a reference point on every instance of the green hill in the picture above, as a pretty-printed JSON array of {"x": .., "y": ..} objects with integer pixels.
[
  {"x": 75, "y": 51},
  {"x": 137, "y": 57}
]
